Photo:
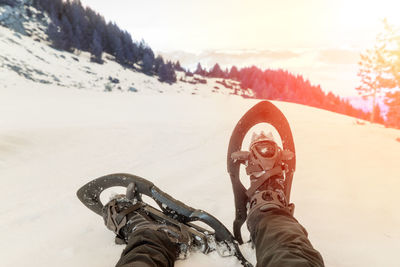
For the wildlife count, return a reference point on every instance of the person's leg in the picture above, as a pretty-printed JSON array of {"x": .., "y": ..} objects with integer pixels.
[
  {"x": 148, "y": 248},
  {"x": 149, "y": 244},
  {"x": 280, "y": 240}
]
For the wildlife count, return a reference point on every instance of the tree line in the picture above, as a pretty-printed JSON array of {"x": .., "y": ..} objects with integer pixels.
[
  {"x": 283, "y": 85},
  {"x": 74, "y": 27}
]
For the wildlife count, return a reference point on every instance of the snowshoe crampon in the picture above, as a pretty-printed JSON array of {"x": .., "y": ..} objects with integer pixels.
[
  {"x": 171, "y": 211},
  {"x": 263, "y": 112}
]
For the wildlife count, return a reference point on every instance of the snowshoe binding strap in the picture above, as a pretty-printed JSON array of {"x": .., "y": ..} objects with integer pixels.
[
  {"x": 263, "y": 112},
  {"x": 262, "y": 179}
]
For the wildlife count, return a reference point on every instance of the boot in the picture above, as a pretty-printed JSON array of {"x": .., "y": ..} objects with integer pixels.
[
  {"x": 125, "y": 217},
  {"x": 265, "y": 165}
]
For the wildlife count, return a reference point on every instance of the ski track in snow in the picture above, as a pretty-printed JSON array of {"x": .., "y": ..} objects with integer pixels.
[{"x": 54, "y": 139}]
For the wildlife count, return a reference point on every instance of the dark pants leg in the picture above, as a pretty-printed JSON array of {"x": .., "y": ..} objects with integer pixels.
[
  {"x": 281, "y": 241},
  {"x": 148, "y": 248}
]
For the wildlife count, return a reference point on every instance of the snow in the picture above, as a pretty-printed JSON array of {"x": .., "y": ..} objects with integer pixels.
[{"x": 54, "y": 138}]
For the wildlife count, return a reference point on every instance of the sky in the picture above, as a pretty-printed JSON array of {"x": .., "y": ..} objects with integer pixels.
[{"x": 325, "y": 37}]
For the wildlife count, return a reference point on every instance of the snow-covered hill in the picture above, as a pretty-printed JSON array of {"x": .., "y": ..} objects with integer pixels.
[
  {"x": 37, "y": 61},
  {"x": 54, "y": 138}
]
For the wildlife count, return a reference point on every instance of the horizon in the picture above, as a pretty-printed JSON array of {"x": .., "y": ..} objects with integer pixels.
[{"x": 330, "y": 36}]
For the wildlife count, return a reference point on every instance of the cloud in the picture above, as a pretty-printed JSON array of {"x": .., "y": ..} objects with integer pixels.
[
  {"x": 246, "y": 54},
  {"x": 231, "y": 57},
  {"x": 338, "y": 56}
]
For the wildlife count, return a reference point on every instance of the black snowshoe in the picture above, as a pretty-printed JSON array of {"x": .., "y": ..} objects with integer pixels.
[
  {"x": 170, "y": 212},
  {"x": 263, "y": 112}
]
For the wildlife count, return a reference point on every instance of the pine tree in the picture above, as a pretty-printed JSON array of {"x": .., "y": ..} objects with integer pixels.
[
  {"x": 141, "y": 50},
  {"x": 171, "y": 75},
  {"x": 56, "y": 34},
  {"x": 392, "y": 97},
  {"x": 148, "y": 61},
  {"x": 129, "y": 49},
  {"x": 60, "y": 33},
  {"x": 96, "y": 47},
  {"x": 371, "y": 74},
  {"x": 67, "y": 34},
  {"x": 78, "y": 21},
  {"x": 162, "y": 72},
  {"x": 199, "y": 70},
  {"x": 177, "y": 66},
  {"x": 234, "y": 73},
  {"x": 393, "y": 114},
  {"x": 158, "y": 63},
  {"x": 167, "y": 73},
  {"x": 216, "y": 72},
  {"x": 379, "y": 71}
]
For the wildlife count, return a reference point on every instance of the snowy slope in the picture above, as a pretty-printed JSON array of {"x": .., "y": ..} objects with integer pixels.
[
  {"x": 54, "y": 138},
  {"x": 38, "y": 62}
]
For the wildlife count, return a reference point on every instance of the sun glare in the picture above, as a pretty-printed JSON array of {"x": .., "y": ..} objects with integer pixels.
[{"x": 357, "y": 12}]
